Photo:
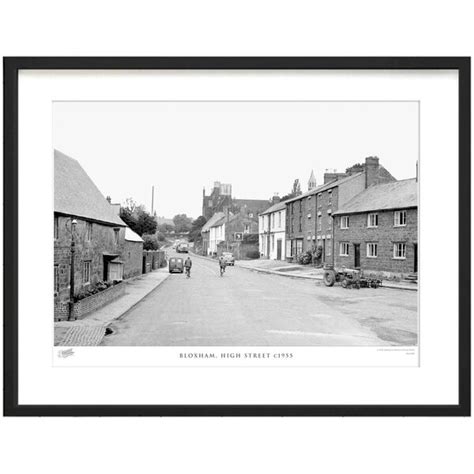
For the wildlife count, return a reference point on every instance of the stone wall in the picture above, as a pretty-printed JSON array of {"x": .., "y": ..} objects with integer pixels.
[
  {"x": 102, "y": 240},
  {"x": 133, "y": 259},
  {"x": 152, "y": 260}
]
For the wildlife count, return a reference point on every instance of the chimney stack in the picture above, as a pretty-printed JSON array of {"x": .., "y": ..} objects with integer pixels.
[
  {"x": 116, "y": 208},
  {"x": 371, "y": 170},
  {"x": 275, "y": 199}
]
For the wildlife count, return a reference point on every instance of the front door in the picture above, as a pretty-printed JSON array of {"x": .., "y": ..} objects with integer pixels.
[
  {"x": 356, "y": 255},
  {"x": 278, "y": 249}
]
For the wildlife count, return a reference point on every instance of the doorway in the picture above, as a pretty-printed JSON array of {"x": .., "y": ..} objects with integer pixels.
[
  {"x": 278, "y": 249},
  {"x": 415, "y": 257},
  {"x": 356, "y": 255}
]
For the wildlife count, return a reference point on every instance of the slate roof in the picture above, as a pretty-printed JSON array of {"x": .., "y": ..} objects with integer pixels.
[
  {"x": 211, "y": 222},
  {"x": 324, "y": 187},
  {"x": 276, "y": 207},
  {"x": 132, "y": 236},
  {"x": 75, "y": 194},
  {"x": 394, "y": 195}
]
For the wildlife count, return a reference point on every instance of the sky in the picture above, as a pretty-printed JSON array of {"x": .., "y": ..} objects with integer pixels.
[{"x": 258, "y": 147}]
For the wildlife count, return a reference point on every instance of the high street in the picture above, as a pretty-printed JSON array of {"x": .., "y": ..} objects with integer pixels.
[{"x": 245, "y": 308}]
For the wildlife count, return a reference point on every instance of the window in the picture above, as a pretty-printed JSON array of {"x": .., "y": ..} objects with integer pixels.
[
  {"x": 246, "y": 228},
  {"x": 319, "y": 222},
  {"x": 88, "y": 231},
  {"x": 117, "y": 234},
  {"x": 300, "y": 222},
  {"x": 371, "y": 250},
  {"x": 373, "y": 220},
  {"x": 344, "y": 249},
  {"x": 273, "y": 242},
  {"x": 56, "y": 279},
  {"x": 344, "y": 222},
  {"x": 56, "y": 228},
  {"x": 400, "y": 250},
  {"x": 86, "y": 272},
  {"x": 328, "y": 247},
  {"x": 279, "y": 219},
  {"x": 400, "y": 218},
  {"x": 273, "y": 220}
]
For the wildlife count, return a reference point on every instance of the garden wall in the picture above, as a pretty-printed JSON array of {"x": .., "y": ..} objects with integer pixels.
[{"x": 89, "y": 304}]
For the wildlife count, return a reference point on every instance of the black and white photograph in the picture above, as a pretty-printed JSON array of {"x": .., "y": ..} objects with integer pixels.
[{"x": 236, "y": 224}]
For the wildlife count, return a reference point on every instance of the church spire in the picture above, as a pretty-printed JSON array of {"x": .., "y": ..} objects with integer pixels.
[{"x": 311, "y": 181}]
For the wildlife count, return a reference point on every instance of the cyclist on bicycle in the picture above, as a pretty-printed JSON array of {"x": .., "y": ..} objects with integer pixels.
[
  {"x": 187, "y": 265},
  {"x": 222, "y": 264}
]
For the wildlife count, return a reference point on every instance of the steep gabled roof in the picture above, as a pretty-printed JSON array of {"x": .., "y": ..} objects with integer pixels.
[
  {"x": 131, "y": 236},
  {"x": 211, "y": 222},
  {"x": 380, "y": 197},
  {"x": 75, "y": 194}
]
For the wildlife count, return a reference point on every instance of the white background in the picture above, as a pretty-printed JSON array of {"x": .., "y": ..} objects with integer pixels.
[{"x": 246, "y": 445}]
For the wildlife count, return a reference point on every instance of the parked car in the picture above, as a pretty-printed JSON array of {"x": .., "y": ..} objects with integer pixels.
[
  {"x": 182, "y": 248},
  {"x": 176, "y": 265},
  {"x": 228, "y": 258}
]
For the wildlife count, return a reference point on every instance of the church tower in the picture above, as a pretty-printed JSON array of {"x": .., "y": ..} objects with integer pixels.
[{"x": 311, "y": 181}]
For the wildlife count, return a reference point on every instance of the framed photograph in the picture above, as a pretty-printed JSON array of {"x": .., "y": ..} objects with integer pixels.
[{"x": 237, "y": 236}]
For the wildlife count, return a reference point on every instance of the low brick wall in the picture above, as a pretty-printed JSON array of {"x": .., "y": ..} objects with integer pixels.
[{"x": 89, "y": 304}]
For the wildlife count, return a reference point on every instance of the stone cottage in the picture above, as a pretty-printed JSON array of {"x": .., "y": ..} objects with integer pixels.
[{"x": 83, "y": 220}]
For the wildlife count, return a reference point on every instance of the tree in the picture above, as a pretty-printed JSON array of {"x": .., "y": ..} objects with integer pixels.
[
  {"x": 295, "y": 190},
  {"x": 296, "y": 187},
  {"x": 196, "y": 227},
  {"x": 146, "y": 223},
  {"x": 182, "y": 223},
  {"x": 135, "y": 216},
  {"x": 150, "y": 242}
]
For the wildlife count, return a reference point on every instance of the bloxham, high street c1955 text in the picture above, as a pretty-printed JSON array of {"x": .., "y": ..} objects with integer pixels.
[{"x": 236, "y": 355}]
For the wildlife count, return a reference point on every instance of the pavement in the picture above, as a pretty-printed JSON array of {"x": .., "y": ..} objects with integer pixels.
[
  {"x": 89, "y": 330},
  {"x": 292, "y": 270},
  {"x": 253, "y": 308}
]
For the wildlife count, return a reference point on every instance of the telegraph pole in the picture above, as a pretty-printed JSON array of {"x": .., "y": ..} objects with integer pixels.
[{"x": 152, "y": 198}]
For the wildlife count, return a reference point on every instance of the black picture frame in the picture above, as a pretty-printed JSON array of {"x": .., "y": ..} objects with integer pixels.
[{"x": 12, "y": 65}]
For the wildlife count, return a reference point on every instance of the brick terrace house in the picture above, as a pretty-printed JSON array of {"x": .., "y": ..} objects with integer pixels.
[
  {"x": 99, "y": 234},
  {"x": 272, "y": 231},
  {"x": 377, "y": 230},
  {"x": 309, "y": 217}
]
